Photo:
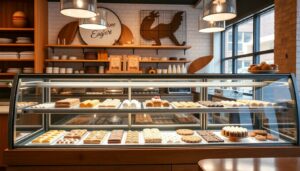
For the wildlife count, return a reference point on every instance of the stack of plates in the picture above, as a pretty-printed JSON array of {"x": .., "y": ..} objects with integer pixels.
[
  {"x": 10, "y": 55},
  {"x": 27, "y": 55},
  {"x": 14, "y": 70},
  {"x": 27, "y": 70},
  {"x": 5, "y": 40},
  {"x": 23, "y": 40}
]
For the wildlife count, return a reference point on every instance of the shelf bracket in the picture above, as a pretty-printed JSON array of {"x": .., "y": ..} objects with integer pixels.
[
  {"x": 156, "y": 51},
  {"x": 184, "y": 51},
  {"x": 83, "y": 51},
  {"x": 133, "y": 51},
  {"x": 53, "y": 50}
]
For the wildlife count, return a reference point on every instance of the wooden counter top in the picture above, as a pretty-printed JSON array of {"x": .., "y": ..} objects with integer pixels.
[{"x": 250, "y": 164}]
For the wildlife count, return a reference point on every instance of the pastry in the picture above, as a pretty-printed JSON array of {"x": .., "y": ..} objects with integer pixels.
[
  {"x": 76, "y": 133},
  {"x": 234, "y": 133},
  {"x": 95, "y": 137},
  {"x": 89, "y": 103},
  {"x": 156, "y": 102},
  {"x": 48, "y": 137},
  {"x": 115, "y": 137},
  {"x": 191, "y": 139},
  {"x": 272, "y": 137},
  {"x": 68, "y": 141},
  {"x": 260, "y": 132},
  {"x": 152, "y": 135},
  {"x": 132, "y": 137},
  {"x": 211, "y": 104},
  {"x": 67, "y": 103},
  {"x": 131, "y": 104},
  {"x": 186, "y": 105},
  {"x": 143, "y": 119},
  {"x": 252, "y": 134},
  {"x": 184, "y": 132},
  {"x": 110, "y": 103},
  {"x": 183, "y": 118},
  {"x": 260, "y": 138},
  {"x": 210, "y": 137}
]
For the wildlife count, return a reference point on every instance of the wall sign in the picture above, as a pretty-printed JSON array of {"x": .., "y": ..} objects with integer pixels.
[
  {"x": 103, "y": 37},
  {"x": 163, "y": 27}
]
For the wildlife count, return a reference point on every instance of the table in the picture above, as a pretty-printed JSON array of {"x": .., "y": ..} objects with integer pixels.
[{"x": 250, "y": 164}]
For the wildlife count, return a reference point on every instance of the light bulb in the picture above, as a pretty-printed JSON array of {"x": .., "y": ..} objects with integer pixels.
[
  {"x": 219, "y": 7},
  {"x": 79, "y": 3}
]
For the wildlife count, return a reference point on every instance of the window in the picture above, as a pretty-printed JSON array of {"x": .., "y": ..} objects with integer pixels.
[{"x": 248, "y": 41}]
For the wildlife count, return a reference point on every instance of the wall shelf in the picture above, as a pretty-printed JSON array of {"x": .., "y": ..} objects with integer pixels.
[
  {"x": 106, "y": 61},
  {"x": 16, "y": 29},
  {"x": 16, "y": 60},
  {"x": 16, "y": 45},
  {"x": 53, "y": 46}
]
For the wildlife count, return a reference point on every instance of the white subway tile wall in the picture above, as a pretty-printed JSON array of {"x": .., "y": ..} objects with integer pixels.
[{"x": 129, "y": 14}]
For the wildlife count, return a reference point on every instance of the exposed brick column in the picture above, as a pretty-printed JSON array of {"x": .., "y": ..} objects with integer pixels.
[{"x": 285, "y": 35}]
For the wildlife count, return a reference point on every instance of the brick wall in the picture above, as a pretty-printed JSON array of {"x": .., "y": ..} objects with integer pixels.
[
  {"x": 298, "y": 43},
  {"x": 129, "y": 15},
  {"x": 285, "y": 35}
]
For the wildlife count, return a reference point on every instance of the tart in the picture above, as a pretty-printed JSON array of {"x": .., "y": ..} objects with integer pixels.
[{"x": 185, "y": 132}]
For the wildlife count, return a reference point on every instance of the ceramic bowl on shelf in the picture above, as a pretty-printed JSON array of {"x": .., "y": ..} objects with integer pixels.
[{"x": 19, "y": 19}]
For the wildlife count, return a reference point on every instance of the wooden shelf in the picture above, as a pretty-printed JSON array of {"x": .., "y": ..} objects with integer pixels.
[
  {"x": 106, "y": 61},
  {"x": 121, "y": 47},
  {"x": 16, "y": 29},
  {"x": 7, "y": 74},
  {"x": 16, "y": 60},
  {"x": 16, "y": 45}
]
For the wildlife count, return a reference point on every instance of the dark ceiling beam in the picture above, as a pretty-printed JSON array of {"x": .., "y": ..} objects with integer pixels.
[
  {"x": 175, "y": 2},
  {"x": 198, "y": 4}
]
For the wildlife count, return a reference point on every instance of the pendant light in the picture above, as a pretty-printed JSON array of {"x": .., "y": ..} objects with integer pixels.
[
  {"x": 210, "y": 26},
  {"x": 219, "y": 10},
  {"x": 99, "y": 22},
  {"x": 78, "y": 8}
]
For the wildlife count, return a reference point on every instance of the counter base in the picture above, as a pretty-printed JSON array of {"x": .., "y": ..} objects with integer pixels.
[{"x": 164, "y": 159}]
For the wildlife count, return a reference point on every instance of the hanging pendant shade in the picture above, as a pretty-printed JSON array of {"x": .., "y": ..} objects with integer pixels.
[
  {"x": 219, "y": 10},
  {"x": 211, "y": 26},
  {"x": 78, "y": 8},
  {"x": 99, "y": 22}
]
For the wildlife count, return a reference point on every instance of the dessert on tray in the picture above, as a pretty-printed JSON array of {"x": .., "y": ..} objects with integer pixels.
[
  {"x": 185, "y": 119},
  {"x": 186, "y": 105},
  {"x": 156, "y": 102},
  {"x": 131, "y": 104},
  {"x": 152, "y": 135},
  {"x": 191, "y": 139},
  {"x": 209, "y": 136},
  {"x": 89, "y": 103},
  {"x": 76, "y": 133},
  {"x": 110, "y": 103},
  {"x": 185, "y": 132},
  {"x": 132, "y": 137},
  {"x": 48, "y": 137},
  {"x": 115, "y": 137},
  {"x": 95, "y": 137},
  {"x": 67, "y": 103},
  {"x": 211, "y": 104},
  {"x": 257, "y": 103},
  {"x": 143, "y": 119},
  {"x": 234, "y": 133},
  {"x": 234, "y": 104},
  {"x": 69, "y": 141},
  {"x": 263, "y": 135}
]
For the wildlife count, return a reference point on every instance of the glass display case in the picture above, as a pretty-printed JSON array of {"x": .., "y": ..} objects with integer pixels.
[{"x": 99, "y": 111}]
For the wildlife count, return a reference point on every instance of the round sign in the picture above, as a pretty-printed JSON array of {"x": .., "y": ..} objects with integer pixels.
[{"x": 103, "y": 37}]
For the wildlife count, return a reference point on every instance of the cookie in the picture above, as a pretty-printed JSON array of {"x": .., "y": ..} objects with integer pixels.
[
  {"x": 260, "y": 138},
  {"x": 252, "y": 134},
  {"x": 272, "y": 137},
  {"x": 184, "y": 132},
  {"x": 191, "y": 139},
  {"x": 261, "y": 132}
]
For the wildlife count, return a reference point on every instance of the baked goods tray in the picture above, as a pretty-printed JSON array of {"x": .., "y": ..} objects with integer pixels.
[
  {"x": 263, "y": 71},
  {"x": 145, "y": 107},
  {"x": 138, "y": 106},
  {"x": 50, "y": 108},
  {"x": 168, "y": 138}
]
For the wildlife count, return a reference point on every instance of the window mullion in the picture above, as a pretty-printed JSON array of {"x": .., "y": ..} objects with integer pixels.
[
  {"x": 234, "y": 47},
  {"x": 256, "y": 38}
]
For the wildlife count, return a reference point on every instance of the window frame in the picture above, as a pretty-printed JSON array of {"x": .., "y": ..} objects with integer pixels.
[{"x": 256, "y": 41}]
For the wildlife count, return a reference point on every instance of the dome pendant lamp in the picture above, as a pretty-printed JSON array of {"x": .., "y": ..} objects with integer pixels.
[
  {"x": 78, "y": 8},
  {"x": 99, "y": 22},
  {"x": 219, "y": 10}
]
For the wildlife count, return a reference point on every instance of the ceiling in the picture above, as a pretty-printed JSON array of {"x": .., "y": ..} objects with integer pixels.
[{"x": 186, "y": 2}]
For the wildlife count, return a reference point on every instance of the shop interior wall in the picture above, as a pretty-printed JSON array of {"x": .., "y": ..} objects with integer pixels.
[{"x": 129, "y": 14}]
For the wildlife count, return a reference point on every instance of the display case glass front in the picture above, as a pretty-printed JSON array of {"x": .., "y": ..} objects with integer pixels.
[{"x": 89, "y": 111}]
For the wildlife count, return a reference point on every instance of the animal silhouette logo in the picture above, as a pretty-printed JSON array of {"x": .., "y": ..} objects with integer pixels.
[{"x": 162, "y": 30}]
